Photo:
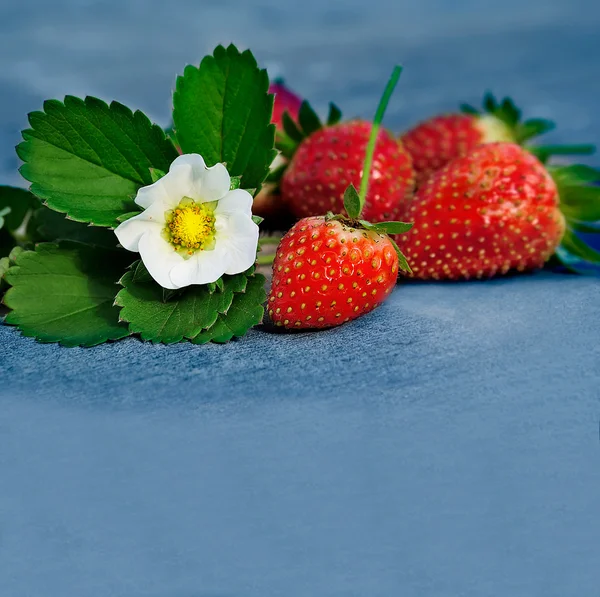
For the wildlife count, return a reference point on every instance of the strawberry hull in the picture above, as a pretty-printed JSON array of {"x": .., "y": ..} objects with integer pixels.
[{"x": 436, "y": 141}]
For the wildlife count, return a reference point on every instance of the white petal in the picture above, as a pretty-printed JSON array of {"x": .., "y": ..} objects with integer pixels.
[
  {"x": 239, "y": 234},
  {"x": 215, "y": 183},
  {"x": 177, "y": 183},
  {"x": 169, "y": 190},
  {"x": 238, "y": 201},
  {"x": 201, "y": 268},
  {"x": 157, "y": 192},
  {"x": 130, "y": 231},
  {"x": 188, "y": 176},
  {"x": 159, "y": 257},
  {"x": 194, "y": 160},
  {"x": 205, "y": 184}
]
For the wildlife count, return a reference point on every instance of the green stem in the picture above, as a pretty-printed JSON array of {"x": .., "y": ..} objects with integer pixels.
[
  {"x": 269, "y": 240},
  {"x": 548, "y": 150},
  {"x": 385, "y": 98},
  {"x": 265, "y": 259}
]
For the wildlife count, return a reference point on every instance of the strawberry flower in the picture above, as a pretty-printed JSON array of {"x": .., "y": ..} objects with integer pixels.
[{"x": 193, "y": 228}]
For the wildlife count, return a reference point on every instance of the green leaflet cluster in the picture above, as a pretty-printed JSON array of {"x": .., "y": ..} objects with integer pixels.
[
  {"x": 217, "y": 312},
  {"x": 64, "y": 276},
  {"x": 523, "y": 131}
]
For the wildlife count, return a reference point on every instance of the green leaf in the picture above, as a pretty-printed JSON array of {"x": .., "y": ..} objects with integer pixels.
[
  {"x": 184, "y": 316},
  {"x": 308, "y": 119},
  {"x": 64, "y": 293},
  {"x": 489, "y": 103},
  {"x": 156, "y": 174},
  {"x": 402, "y": 262},
  {"x": 291, "y": 129},
  {"x": 581, "y": 203},
  {"x": 468, "y": 109},
  {"x": 7, "y": 242},
  {"x": 245, "y": 311},
  {"x": 367, "y": 225},
  {"x": 335, "y": 115},
  {"x": 171, "y": 134},
  {"x": 533, "y": 128},
  {"x": 509, "y": 113},
  {"x": 52, "y": 226},
  {"x": 15, "y": 203},
  {"x": 235, "y": 183},
  {"x": 574, "y": 175},
  {"x": 222, "y": 111},
  {"x": 4, "y": 265},
  {"x": 88, "y": 159},
  {"x": 4, "y": 211},
  {"x": 257, "y": 220},
  {"x": 393, "y": 227},
  {"x": 578, "y": 248},
  {"x": 587, "y": 228},
  {"x": 140, "y": 274},
  {"x": 286, "y": 146},
  {"x": 14, "y": 254},
  {"x": 276, "y": 175},
  {"x": 544, "y": 152},
  {"x": 352, "y": 202}
]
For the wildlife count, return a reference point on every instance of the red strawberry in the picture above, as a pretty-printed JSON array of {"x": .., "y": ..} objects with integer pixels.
[
  {"x": 494, "y": 210},
  {"x": 327, "y": 272},
  {"x": 434, "y": 142},
  {"x": 267, "y": 203},
  {"x": 285, "y": 101},
  {"x": 330, "y": 159}
]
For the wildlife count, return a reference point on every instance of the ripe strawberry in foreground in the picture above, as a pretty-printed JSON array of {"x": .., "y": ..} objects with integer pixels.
[
  {"x": 327, "y": 272},
  {"x": 436, "y": 141},
  {"x": 330, "y": 159},
  {"x": 331, "y": 269},
  {"x": 499, "y": 209}
]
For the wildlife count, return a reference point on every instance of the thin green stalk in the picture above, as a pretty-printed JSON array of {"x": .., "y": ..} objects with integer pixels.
[
  {"x": 385, "y": 98},
  {"x": 269, "y": 240},
  {"x": 265, "y": 259}
]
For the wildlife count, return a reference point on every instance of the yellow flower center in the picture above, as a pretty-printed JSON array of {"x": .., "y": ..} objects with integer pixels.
[{"x": 191, "y": 226}]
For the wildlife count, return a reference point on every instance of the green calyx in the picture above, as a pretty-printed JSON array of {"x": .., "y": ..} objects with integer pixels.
[
  {"x": 510, "y": 116},
  {"x": 383, "y": 228},
  {"x": 580, "y": 205},
  {"x": 521, "y": 131},
  {"x": 288, "y": 140}
]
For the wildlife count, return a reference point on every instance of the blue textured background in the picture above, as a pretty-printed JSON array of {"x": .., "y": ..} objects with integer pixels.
[{"x": 446, "y": 445}]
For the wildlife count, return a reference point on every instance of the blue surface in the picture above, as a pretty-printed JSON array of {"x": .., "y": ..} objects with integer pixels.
[{"x": 445, "y": 445}]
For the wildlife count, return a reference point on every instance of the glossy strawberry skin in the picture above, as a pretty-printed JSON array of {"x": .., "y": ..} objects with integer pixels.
[
  {"x": 489, "y": 212},
  {"x": 434, "y": 142},
  {"x": 326, "y": 273},
  {"x": 285, "y": 100},
  {"x": 330, "y": 159}
]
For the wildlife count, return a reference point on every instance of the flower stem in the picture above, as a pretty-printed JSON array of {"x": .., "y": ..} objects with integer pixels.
[
  {"x": 269, "y": 240},
  {"x": 265, "y": 259},
  {"x": 385, "y": 98}
]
